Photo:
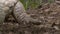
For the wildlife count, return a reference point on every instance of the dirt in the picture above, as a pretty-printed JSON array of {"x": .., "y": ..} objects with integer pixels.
[{"x": 48, "y": 14}]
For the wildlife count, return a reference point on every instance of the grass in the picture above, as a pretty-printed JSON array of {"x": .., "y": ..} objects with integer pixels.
[{"x": 33, "y": 3}]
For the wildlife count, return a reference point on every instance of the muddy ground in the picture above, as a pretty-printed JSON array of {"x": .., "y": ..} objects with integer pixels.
[{"x": 48, "y": 14}]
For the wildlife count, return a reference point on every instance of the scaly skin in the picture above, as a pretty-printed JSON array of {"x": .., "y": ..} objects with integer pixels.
[
  {"x": 21, "y": 15},
  {"x": 4, "y": 8},
  {"x": 16, "y": 8}
]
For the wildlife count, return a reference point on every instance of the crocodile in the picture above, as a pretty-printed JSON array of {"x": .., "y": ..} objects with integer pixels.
[{"x": 16, "y": 9}]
